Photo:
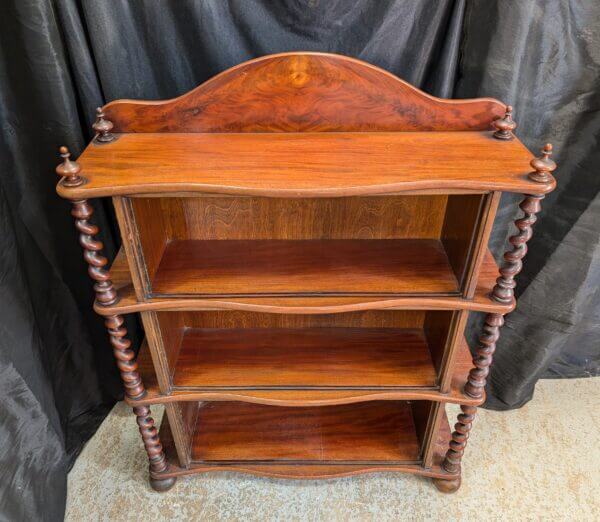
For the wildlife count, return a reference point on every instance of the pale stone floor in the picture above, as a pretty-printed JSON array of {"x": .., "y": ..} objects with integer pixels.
[{"x": 541, "y": 462}]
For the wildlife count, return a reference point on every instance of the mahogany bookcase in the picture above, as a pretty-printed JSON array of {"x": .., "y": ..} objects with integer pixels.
[{"x": 304, "y": 236}]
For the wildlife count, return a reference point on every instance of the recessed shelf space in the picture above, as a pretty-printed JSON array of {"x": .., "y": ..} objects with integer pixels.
[
  {"x": 379, "y": 431},
  {"x": 320, "y": 358},
  {"x": 371, "y": 350},
  {"x": 304, "y": 267},
  {"x": 222, "y": 246}
]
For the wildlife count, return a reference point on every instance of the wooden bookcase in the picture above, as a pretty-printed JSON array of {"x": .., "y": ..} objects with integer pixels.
[{"x": 304, "y": 237}]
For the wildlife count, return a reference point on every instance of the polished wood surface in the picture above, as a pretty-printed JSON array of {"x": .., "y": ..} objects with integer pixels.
[
  {"x": 377, "y": 431},
  {"x": 304, "y": 267},
  {"x": 315, "y": 470},
  {"x": 245, "y": 217},
  {"x": 304, "y": 164},
  {"x": 462, "y": 363},
  {"x": 303, "y": 357},
  {"x": 481, "y": 301},
  {"x": 306, "y": 236},
  {"x": 303, "y": 92}
]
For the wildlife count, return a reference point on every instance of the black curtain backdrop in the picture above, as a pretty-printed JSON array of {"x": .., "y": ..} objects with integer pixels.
[{"x": 60, "y": 59}]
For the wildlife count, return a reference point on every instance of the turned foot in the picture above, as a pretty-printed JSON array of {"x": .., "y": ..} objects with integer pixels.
[
  {"x": 162, "y": 485},
  {"x": 447, "y": 485}
]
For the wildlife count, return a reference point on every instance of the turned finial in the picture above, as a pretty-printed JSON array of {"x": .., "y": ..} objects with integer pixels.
[
  {"x": 505, "y": 126},
  {"x": 102, "y": 128},
  {"x": 69, "y": 170},
  {"x": 543, "y": 166}
]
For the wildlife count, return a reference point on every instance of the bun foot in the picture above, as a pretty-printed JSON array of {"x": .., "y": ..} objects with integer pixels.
[
  {"x": 447, "y": 485},
  {"x": 162, "y": 485}
]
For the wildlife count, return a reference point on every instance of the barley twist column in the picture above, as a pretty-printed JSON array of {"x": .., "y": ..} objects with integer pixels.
[{"x": 106, "y": 295}]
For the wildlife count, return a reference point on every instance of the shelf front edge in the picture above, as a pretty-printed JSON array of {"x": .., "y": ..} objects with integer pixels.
[{"x": 308, "y": 397}]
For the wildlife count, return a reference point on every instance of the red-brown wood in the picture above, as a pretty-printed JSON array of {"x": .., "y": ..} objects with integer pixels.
[
  {"x": 314, "y": 470},
  {"x": 106, "y": 295},
  {"x": 295, "y": 165},
  {"x": 311, "y": 305},
  {"x": 322, "y": 393},
  {"x": 305, "y": 397},
  {"x": 303, "y": 358},
  {"x": 370, "y": 432},
  {"x": 304, "y": 267},
  {"x": 303, "y": 92}
]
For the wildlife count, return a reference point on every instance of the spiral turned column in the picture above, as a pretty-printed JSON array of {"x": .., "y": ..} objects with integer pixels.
[
  {"x": 106, "y": 295},
  {"x": 504, "y": 290},
  {"x": 483, "y": 356}
]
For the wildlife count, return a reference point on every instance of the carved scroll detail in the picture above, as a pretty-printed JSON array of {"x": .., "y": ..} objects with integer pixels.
[{"x": 459, "y": 439}]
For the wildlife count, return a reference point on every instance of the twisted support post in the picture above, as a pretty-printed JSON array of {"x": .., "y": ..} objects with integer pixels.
[{"x": 106, "y": 295}]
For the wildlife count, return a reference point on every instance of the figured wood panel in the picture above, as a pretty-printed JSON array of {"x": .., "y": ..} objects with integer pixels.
[
  {"x": 377, "y": 431},
  {"x": 305, "y": 164},
  {"x": 303, "y": 357},
  {"x": 302, "y": 92},
  {"x": 214, "y": 217},
  {"x": 304, "y": 267}
]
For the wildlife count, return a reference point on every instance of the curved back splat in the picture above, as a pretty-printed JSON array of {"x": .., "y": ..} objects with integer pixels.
[{"x": 304, "y": 92}]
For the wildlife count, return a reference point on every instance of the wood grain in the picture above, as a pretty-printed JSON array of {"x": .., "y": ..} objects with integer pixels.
[
  {"x": 481, "y": 301},
  {"x": 304, "y": 267},
  {"x": 304, "y": 397},
  {"x": 377, "y": 431},
  {"x": 303, "y": 358},
  {"x": 231, "y": 217},
  {"x": 303, "y": 92},
  {"x": 304, "y": 164}
]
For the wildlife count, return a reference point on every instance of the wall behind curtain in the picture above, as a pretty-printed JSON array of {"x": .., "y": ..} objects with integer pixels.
[{"x": 60, "y": 59}]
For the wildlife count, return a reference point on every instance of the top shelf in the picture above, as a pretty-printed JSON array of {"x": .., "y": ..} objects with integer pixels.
[{"x": 307, "y": 164}]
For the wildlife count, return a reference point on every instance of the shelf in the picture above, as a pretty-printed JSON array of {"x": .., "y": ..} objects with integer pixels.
[
  {"x": 304, "y": 267},
  {"x": 304, "y": 396},
  {"x": 307, "y": 358},
  {"x": 376, "y": 434},
  {"x": 234, "y": 431},
  {"x": 309, "y": 304},
  {"x": 310, "y": 164}
]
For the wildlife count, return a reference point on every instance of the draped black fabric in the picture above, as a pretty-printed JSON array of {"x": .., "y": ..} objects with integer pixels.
[{"x": 60, "y": 59}]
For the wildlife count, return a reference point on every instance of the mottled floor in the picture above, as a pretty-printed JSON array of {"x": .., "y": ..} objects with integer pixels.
[{"x": 541, "y": 462}]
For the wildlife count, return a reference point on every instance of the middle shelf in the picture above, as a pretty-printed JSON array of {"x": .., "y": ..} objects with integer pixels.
[
  {"x": 305, "y": 359},
  {"x": 314, "y": 358}
]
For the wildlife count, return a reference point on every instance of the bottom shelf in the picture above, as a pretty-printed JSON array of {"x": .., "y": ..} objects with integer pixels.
[
  {"x": 312, "y": 442},
  {"x": 369, "y": 432}
]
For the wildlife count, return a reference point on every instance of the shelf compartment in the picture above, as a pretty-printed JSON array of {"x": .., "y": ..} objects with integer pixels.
[
  {"x": 129, "y": 303},
  {"x": 235, "y": 432},
  {"x": 401, "y": 441},
  {"x": 277, "y": 365},
  {"x": 304, "y": 267},
  {"x": 317, "y": 358},
  {"x": 216, "y": 246}
]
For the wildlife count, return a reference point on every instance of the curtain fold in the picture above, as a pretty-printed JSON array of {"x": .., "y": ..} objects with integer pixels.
[
  {"x": 543, "y": 57},
  {"x": 59, "y": 59}
]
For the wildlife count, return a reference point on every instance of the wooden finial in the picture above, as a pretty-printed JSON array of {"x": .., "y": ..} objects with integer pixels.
[
  {"x": 69, "y": 170},
  {"x": 102, "y": 128},
  {"x": 543, "y": 166},
  {"x": 505, "y": 126}
]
